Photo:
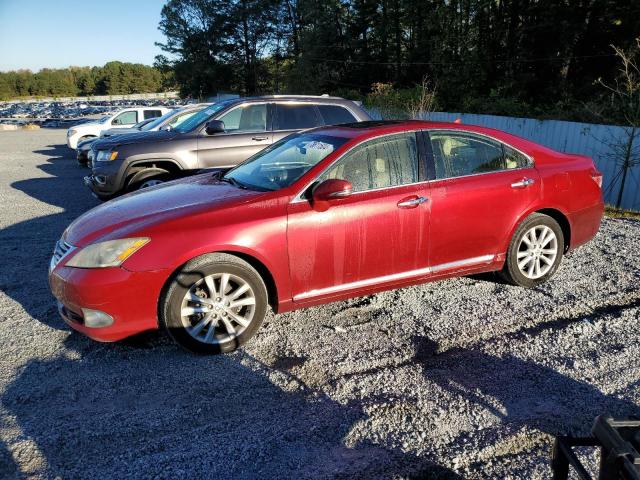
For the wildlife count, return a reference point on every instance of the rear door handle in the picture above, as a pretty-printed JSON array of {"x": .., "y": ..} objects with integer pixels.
[
  {"x": 525, "y": 182},
  {"x": 259, "y": 138},
  {"x": 412, "y": 202}
]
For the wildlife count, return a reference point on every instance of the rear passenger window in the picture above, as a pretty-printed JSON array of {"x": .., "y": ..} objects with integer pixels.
[
  {"x": 386, "y": 162},
  {"x": 456, "y": 155},
  {"x": 152, "y": 114},
  {"x": 333, "y": 114},
  {"x": 514, "y": 159},
  {"x": 296, "y": 117}
]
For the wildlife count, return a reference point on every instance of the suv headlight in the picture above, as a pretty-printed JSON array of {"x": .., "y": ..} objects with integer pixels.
[
  {"x": 71, "y": 133},
  {"x": 107, "y": 254},
  {"x": 106, "y": 156}
]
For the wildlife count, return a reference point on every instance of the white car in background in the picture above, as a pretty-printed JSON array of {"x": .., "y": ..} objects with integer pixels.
[{"x": 122, "y": 119}]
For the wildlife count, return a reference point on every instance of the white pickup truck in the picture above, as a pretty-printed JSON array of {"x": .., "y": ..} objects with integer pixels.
[{"x": 122, "y": 119}]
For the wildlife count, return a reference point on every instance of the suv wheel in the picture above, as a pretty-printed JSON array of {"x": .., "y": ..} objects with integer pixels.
[
  {"x": 215, "y": 304},
  {"x": 535, "y": 251},
  {"x": 147, "y": 178}
]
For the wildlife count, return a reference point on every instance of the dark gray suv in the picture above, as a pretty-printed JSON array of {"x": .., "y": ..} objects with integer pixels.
[{"x": 221, "y": 136}]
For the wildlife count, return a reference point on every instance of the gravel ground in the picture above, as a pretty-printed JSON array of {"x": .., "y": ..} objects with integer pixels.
[{"x": 466, "y": 378}]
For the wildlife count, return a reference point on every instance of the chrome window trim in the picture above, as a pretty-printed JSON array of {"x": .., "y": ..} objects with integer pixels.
[
  {"x": 298, "y": 198},
  {"x": 470, "y": 133},
  {"x": 467, "y": 262}
]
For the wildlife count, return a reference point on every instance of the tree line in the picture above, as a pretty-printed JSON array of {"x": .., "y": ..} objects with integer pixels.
[
  {"x": 114, "y": 78},
  {"x": 514, "y": 57}
]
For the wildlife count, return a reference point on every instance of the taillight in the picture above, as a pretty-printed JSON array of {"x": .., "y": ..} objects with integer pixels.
[{"x": 597, "y": 177}]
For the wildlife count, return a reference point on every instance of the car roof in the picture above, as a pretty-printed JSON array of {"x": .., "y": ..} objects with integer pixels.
[
  {"x": 289, "y": 98},
  {"x": 374, "y": 128}
]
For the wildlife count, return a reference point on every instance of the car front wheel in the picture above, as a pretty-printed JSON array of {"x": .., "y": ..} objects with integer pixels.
[
  {"x": 535, "y": 251},
  {"x": 214, "y": 304}
]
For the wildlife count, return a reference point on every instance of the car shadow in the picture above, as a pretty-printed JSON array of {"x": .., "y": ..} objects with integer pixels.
[
  {"x": 519, "y": 393},
  {"x": 109, "y": 410},
  {"x": 28, "y": 245}
]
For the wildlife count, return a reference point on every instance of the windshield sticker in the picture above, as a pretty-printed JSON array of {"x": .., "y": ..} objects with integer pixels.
[{"x": 316, "y": 145}]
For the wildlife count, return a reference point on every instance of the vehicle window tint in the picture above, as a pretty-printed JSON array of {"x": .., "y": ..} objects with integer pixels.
[
  {"x": 379, "y": 163},
  {"x": 296, "y": 117},
  {"x": 514, "y": 159},
  {"x": 333, "y": 114},
  {"x": 181, "y": 117},
  {"x": 152, "y": 114},
  {"x": 126, "y": 118},
  {"x": 247, "y": 118},
  {"x": 456, "y": 155}
]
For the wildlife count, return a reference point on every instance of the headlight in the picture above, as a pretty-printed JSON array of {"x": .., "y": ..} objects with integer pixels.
[
  {"x": 71, "y": 133},
  {"x": 106, "y": 156},
  {"x": 107, "y": 254}
]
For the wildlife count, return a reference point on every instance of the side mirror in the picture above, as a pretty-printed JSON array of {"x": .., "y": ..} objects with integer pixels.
[
  {"x": 330, "y": 191},
  {"x": 214, "y": 126},
  {"x": 116, "y": 121}
]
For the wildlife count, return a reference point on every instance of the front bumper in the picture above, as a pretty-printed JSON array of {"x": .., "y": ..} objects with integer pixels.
[
  {"x": 107, "y": 179},
  {"x": 131, "y": 298}
]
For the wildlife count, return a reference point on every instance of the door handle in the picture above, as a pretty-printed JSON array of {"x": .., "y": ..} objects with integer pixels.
[
  {"x": 525, "y": 182},
  {"x": 259, "y": 138},
  {"x": 412, "y": 202}
]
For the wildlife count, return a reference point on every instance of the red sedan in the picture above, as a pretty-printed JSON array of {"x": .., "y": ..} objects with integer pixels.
[{"x": 320, "y": 216}]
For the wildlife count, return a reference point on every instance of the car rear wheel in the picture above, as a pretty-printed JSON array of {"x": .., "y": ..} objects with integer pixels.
[
  {"x": 214, "y": 304},
  {"x": 535, "y": 251}
]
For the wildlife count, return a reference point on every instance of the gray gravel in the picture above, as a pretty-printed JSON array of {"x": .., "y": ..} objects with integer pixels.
[{"x": 466, "y": 378}]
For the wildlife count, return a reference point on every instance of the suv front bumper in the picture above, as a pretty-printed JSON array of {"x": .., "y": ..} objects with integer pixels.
[{"x": 107, "y": 179}]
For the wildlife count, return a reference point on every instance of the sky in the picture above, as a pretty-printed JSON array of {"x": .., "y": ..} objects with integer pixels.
[{"x": 37, "y": 34}]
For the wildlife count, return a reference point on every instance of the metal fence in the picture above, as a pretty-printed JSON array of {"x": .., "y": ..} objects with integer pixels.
[{"x": 603, "y": 143}]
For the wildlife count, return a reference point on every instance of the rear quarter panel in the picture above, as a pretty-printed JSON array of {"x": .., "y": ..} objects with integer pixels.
[{"x": 568, "y": 186}]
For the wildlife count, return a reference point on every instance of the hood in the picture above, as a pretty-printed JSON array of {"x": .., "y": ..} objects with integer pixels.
[
  {"x": 118, "y": 131},
  {"x": 139, "y": 137},
  {"x": 128, "y": 215},
  {"x": 85, "y": 124}
]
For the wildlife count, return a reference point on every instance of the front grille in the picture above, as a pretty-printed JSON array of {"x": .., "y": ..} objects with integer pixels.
[{"x": 59, "y": 252}]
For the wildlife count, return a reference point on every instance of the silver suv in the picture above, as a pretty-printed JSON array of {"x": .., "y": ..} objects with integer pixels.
[{"x": 221, "y": 136}]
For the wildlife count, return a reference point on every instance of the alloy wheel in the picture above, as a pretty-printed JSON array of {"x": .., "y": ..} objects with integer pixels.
[
  {"x": 150, "y": 183},
  {"x": 218, "y": 308},
  {"x": 537, "y": 251}
]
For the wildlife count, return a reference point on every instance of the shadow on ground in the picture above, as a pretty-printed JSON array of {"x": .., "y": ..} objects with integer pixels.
[
  {"x": 520, "y": 394},
  {"x": 28, "y": 245},
  {"x": 116, "y": 411}
]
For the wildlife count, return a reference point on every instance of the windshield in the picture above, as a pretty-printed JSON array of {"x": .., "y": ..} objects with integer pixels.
[
  {"x": 200, "y": 117},
  {"x": 284, "y": 162}
]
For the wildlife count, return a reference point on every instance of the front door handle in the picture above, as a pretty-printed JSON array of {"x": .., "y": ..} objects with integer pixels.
[
  {"x": 412, "y": 202},
  {"x": 525, "y": 182},
  {"x": 259, "y": 138}
]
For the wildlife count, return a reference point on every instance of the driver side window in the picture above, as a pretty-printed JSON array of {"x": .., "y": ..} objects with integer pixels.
[
  {"x": 380, "y": 163},
  {"x": 126, "y": 118},
  {"x": 246, "y": 118}
]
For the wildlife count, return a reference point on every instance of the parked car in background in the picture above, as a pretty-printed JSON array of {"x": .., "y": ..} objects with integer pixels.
[
  {"x": 84, "y": 147},
  {"x": 122, "y": 119},
  {"x": 221, "y": 135},
  {"x": 167, "y": 121},
  {"x": 322, "y": 215}
]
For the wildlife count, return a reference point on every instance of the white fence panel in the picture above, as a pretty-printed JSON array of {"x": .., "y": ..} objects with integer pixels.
[{"x": 571, "y": 137}]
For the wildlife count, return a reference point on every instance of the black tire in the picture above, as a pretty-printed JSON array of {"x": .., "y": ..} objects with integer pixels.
[
  {"x": 191, "y": 278},
  {"x": 511, "y": 272},
  {"x": 142, "y": 179}
]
